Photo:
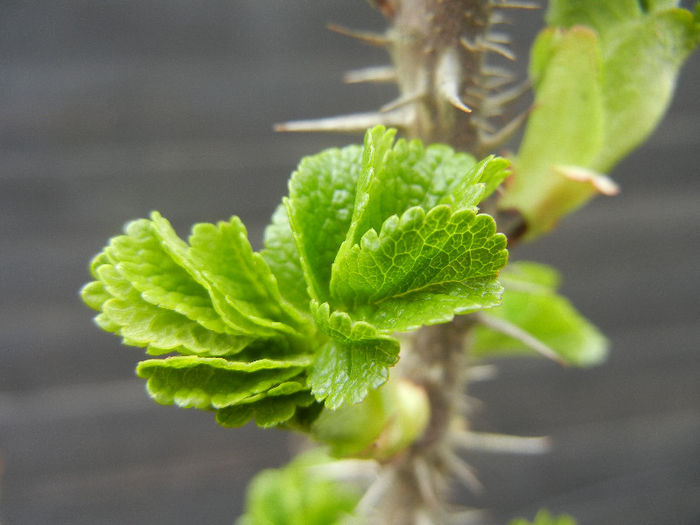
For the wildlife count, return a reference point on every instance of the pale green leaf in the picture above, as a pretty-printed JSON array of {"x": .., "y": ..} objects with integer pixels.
[
  {"x": 283, "y": 259},
  {"x": 298, "y": 494},
  {"x": 141, "y": 261},
  {"x": 545, "y": 518},
  {"x": 531, "y": 304},
  {"x": 243, "y": 305},
  {"x": 141, "y": 323},
  {"x": 268, "y": 411},
  {"x": 604, "y": 74},
  {"x": 394, "y": 179},
  {"x": 566, "y": 72},
  {"x": 320, "y": 204},
  {"x": 241, "y": 275},
  {"x": 214, "y": 383}
]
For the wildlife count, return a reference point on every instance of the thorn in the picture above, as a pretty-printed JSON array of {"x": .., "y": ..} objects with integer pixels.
[
  {"x": 480, "y": 373},
  {"x": 509, "y": 95},
  {"x": 425, "y": 483},
  {"x": 515, "y": 5},
  {"x": 375, "y": 492},
  {"x": 600, "y": 182},
  {"x": 373, "y": 39},
  {"x": 499, "y": 49},
  {"x": 377, "y": 74},
  {"x": 498, "y": 38},
  {"x": 448, "y": 77},
  {"x": 357, "y": 122},
  {"x": 402, "y": 100},
  {"x": 493, "y": 141},
  {"x": 514, "y": 331},
  {"x": 483, "y": 124},
  {"x": 469, "y": 45},
  {"x": 498, "y": 72},
  {"x": 493, "y": 83},
  {"x": 463, "y": 472},
  {"x": 500, "y": 443},
  {"x": 499, "y": 19}
]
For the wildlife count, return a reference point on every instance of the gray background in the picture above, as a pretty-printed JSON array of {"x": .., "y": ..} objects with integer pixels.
[{"x": 111, "y": 109}]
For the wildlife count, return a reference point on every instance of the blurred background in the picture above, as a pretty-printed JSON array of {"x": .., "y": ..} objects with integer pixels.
[{"x": 109, "y": 110}]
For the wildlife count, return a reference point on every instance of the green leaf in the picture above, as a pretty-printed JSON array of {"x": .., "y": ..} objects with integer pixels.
[
  {"x": 422, "y": 268},
  {"x": 141, "y": 261},
  {"x": 531, "y": 304},
  {"x": 394, "y": 179},
  {"x": 206, "y": 300},
  {"x": 282, "y": 257},
  {"x": 355, "y": 360},
  {"x": 269, "y": 390},
  {"x": 239, "y": 282},
  {"x": 141, "y": 323},
  {"x": 321, "y": 197},
  {"x": 566, "y": 72},
  {"x": 270, "y": 411},
  {"x": 545, "y": 518},
  {"x": 610, "y": 68},
  {"x": 298, "y": 494},
  {"x": 163, "y": 331}
]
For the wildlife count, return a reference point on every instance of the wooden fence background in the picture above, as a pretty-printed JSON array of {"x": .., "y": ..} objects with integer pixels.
[{"x": 111, "y": 109}]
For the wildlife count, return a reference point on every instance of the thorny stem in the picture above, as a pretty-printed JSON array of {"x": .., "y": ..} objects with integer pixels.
[{"x": 439, "y": 52}]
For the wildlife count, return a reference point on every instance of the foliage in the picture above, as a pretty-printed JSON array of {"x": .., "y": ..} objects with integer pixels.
[
  {"x": 386, "y": 237},
  {"x": 610, "y": 68},
  {"x": 298, "y": 494},
  {"x": 545, "y": 518}
]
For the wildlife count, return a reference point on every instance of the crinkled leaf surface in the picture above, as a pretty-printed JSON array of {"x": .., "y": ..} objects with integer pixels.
[
  {"x": 422, "y": 268},
  {"x": 238, "y": 281},
  {"x": 371, "y": 240},
  {"x": 396, "y": 177},
  {"x": 298, "y": 494},
  {"x": 268, "y": 390},
  {"x": 530, "y": 303},
  {"x": 216, "y": 303},
  {"x": 389, "y": 235},
  {"x": 321, "y": 198},
  {"x": 355, "y": 359},
  {"x": 282, "y": 257}
]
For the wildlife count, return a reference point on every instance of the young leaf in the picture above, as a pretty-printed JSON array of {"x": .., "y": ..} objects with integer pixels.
[
  {"x": 320, "y": 204},
  {"x": 532, "y": 306},
  {"x": 394, "y": 179},
  {"x": 298, "y": 494},
  {"x": 566, "y": 73},
  {"x": 422, "y": 268},
  {"x": 611, "y": 68},
  {"x": 140, "y": 261},
  {"x": 545, "y": 518},
  {"x": 355, "y": 360},
  {"x": 282, "y": 257},
  {"x": 268, "y": 390},
  {"x": 239, "y": 282},
  {"x": 269, "y": 411}
]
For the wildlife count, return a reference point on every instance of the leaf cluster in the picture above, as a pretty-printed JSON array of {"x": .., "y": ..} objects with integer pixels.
[
  {"x": 371, "y": 240},
  {"x": 603, "y": 74}
]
